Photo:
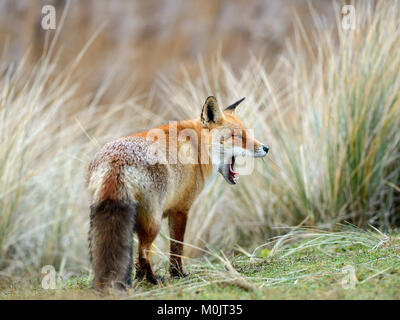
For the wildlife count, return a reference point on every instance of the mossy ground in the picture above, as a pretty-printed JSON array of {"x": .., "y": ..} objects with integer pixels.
[{"x": 300, "y": 271}]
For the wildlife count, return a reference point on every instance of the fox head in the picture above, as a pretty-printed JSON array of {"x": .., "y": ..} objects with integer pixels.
[{"x": 228, "y": 138}]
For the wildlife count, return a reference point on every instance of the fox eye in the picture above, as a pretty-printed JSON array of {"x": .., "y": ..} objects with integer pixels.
[{"x": 237, "y": 136}]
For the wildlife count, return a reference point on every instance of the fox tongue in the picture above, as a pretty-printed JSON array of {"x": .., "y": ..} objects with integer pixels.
[{"x": 231, "y": 170}]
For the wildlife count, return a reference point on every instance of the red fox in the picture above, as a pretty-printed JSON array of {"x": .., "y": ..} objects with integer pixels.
[{"x": 132, "y": 187}]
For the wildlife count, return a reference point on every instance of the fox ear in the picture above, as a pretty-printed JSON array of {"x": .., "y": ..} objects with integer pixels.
[
  {"x": 211, "y": 112},
  {"x": 232, "y": 107}
]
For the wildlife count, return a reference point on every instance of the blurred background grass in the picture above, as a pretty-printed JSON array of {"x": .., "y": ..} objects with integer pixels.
[
  {"x": 147, "y": 38},
  {"x": 324, "y": 99}
]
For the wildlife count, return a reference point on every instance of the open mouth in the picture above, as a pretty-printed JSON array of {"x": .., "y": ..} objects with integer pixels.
[{"x": 233, "y": 176}]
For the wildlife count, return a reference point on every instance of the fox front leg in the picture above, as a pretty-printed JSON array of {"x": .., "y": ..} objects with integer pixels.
[{"x": 177, "y": 225}]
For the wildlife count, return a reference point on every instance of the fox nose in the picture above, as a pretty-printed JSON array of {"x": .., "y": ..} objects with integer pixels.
[{"x": 266, "y": 149}]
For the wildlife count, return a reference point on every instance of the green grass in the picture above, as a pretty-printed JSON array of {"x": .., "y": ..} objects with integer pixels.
[{"x": 309, "y": 266}]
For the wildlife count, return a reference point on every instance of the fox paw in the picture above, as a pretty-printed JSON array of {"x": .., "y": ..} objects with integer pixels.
[
  {"x": 178, "y": 274},
  {"x": 155, "y": 279}
]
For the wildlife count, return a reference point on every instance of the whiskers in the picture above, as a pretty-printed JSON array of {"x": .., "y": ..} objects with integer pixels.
[{"x": 275, "y": 165}]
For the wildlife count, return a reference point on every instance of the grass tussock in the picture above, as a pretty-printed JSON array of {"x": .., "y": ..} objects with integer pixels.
[
  {"x": 45, "y": 145},
  {"x": 329, "y": 112}
]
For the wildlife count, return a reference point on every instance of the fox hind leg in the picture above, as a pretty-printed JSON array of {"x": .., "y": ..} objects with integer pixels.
[{"x": 147, "y": 229}]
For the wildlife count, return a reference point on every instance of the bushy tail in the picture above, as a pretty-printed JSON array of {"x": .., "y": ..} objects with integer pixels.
[{"x": 112, "y": 224}]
